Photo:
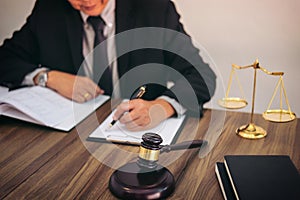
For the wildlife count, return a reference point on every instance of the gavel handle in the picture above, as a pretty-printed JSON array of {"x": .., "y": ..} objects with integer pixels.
[{"x": 184, "y": 145}]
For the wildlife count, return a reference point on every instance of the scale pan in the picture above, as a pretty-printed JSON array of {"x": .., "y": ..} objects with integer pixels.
[
  {"x": 279, "y": 115},
  {"x": 232, "y": 102}
]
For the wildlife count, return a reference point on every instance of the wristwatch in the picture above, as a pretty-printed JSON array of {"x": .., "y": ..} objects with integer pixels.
[{"x": 42, "y": 78}]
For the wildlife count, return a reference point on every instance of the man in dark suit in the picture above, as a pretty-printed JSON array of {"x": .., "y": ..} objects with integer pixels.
[{"x": 50, "y": 49}]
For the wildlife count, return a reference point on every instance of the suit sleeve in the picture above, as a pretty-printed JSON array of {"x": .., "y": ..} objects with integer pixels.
[
  {"x": 197, "y": 78},
  {"x": 19, "y": 55}
]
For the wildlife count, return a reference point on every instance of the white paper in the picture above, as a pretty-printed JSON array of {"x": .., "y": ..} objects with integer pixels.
[
  {"x": 44, "y": 106},
  {"x": 3, "y": 91},
  {"x": 167, "y": 130}
]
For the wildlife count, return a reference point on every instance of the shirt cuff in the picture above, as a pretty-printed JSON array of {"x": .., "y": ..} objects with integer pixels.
[
  {"x": 179, "y": 109},
  {"x": 28, "y": 80}
]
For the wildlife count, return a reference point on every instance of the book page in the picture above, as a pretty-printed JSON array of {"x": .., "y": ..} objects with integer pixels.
[
  {"x": 10, "y": 111},
  {"x": 46, "y": 107},
  {"x": 118, "y": 132}
]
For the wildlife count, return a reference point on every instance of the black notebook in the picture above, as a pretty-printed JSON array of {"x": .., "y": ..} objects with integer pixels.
[
  {"x": 263, "y": 177},
  {"x": 224, "y": 181}
]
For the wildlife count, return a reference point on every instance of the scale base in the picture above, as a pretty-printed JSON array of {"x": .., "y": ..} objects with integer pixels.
[
  {"x": 251, "y": 131},
  {"x": 133, "y": 182}
]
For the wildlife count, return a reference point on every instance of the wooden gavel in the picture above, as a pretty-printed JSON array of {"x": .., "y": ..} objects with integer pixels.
[{"x": 145, "y": 179}]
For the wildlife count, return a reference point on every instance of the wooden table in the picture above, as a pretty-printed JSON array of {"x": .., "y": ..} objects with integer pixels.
[{"x": 40, "y": 163}]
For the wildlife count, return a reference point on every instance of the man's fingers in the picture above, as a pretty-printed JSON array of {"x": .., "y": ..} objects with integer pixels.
[
  {"x": 79, "y": 98},
  {"x": 121, "y": 109},
  {"x": 129, "y": 117},
  {"x": 139, "y": 124},
  {"x": 93, "y": 88},
  {"x": 86, "y": 88}
]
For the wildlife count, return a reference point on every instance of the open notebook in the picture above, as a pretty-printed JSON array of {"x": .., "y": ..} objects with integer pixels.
[
  {"x": 118, "y": 133},
  {"x": 45, "y": 107}
]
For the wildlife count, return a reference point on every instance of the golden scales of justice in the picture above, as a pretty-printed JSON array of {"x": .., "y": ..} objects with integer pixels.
[{"x": 252, "y": 131}]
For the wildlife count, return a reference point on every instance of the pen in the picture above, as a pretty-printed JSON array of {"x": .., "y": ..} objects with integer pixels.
[{"x": 137, "y": 95}]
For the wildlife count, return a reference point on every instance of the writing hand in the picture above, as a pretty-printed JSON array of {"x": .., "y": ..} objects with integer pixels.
[
  {"x": 77, "y": 88},
  {"x": 139, "y": 114}
]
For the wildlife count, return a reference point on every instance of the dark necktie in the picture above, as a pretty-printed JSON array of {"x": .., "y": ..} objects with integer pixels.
[{"x": 101, "y": 70}]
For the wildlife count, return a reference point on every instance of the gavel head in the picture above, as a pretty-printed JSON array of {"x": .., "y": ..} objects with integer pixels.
[{"x": 149, "y": 150}]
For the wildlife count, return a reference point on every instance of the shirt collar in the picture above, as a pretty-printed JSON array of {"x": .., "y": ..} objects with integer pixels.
[{"x": 107, "y": 13}]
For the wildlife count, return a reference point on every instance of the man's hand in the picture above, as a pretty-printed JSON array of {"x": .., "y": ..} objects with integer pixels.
[
  {"x": 139, "y": 114},
  {"x": 77, "y": 88}
]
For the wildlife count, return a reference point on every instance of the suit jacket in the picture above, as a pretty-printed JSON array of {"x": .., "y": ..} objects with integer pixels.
[{"x": 52, "y": 37}]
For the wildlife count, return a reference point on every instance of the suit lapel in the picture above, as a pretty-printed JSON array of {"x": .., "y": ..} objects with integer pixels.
[
  {"x": 75, "y": 31},
  {"x": 125, "y": 20}
]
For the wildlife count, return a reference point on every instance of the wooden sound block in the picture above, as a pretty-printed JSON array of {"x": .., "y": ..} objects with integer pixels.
[{"x": 134, "y": 182}]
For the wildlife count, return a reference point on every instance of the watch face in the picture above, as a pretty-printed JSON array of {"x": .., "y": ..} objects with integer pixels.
[{"x": 42, "y": 79}]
